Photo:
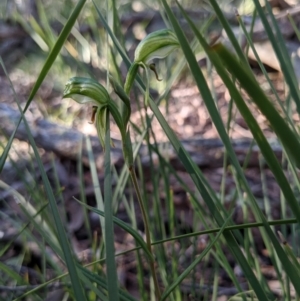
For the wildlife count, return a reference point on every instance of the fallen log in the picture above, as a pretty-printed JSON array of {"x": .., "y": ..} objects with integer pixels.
[{"x": 67, "y": 142}]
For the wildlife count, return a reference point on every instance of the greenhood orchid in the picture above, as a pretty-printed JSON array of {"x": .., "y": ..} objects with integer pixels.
[
  {"x": 158, "y": 44},
  {"x": 87, "y": 90}
]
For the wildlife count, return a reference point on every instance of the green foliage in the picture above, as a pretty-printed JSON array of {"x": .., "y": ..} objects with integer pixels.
[{"x": 81, "y": 282}]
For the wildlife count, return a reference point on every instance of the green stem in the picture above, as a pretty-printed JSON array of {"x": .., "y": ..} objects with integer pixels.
[
  {"x": 147, "y": 92},
  {"x": 132, "y": 72},
  {"x": 147, "y": 230},
  {"x": 130, "y": 77}
]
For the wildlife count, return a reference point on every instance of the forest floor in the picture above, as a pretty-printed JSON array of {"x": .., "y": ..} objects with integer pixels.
[{"x": 188, "y": 117}]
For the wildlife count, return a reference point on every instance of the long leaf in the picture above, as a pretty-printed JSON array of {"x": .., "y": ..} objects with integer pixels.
[
  {"x": 191, "y": 166},
  {"x": 125, "y": 227},
  {"x": 228, "y": 30},
  {"x": 279, "y": 46},
  {"x": 267, "y": 151},
  {"x": 62, "y": 237},
  {"x": 282, "y": 130},
  {"x": 124, "y": 296},
  {"x": 112, "y": 278},
  {"x": 179, "y": 279},
  {"x": 284, "y": 133},
  {"x": 49, "y": 62}
]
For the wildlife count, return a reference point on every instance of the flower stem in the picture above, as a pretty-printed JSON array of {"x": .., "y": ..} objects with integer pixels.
[
  {"x": 130, "y": 77},
  {"x": 147, "y": 230}
]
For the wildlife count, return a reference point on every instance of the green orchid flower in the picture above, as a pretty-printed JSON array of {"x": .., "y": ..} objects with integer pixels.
[
  {"x": 158, "y": 44},
  {"x": 87, "y": 90}
]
